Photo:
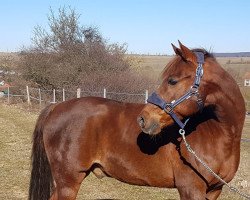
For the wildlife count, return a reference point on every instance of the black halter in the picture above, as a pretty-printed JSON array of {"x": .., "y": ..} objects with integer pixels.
[{"x": 155, "y": 99}]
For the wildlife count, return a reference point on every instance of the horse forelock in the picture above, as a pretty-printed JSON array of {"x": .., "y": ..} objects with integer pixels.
[{"x": 206, "y": 53}]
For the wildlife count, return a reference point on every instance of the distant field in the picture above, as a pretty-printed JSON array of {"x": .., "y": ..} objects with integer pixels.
[
  {"x": 152, "y": 66},
  {"x": 157, "y": 63},
  {"x": 16, "y": 127}
]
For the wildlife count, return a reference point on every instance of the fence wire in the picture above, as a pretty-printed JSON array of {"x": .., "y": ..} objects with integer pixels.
[
  {"x": 41, "y": 96},
  {"x": 33, "y": 95}
]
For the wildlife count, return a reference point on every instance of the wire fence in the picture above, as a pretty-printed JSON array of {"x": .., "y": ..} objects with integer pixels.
[{"x": 32, "y": 95}]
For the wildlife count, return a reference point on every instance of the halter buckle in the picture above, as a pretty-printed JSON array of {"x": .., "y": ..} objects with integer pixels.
[{"x": 168, "y": 109}]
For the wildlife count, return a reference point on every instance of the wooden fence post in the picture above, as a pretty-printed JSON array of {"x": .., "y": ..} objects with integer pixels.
[
  {"x": 28, "y": 95},
  {"x": 78, "y": 93},
  {"x": 40, "y": 96},
  {"x": 104, "y": 93},
  {"x": 146, "y": 96},
  {"x": 63, "y": 93},
  {"x": 54, "y": 96}
]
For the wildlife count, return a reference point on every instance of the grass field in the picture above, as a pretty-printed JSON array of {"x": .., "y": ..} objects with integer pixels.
[{"x": 16, "y": 127}]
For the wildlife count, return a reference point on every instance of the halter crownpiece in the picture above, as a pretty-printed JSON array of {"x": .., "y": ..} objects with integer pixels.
[{"x": 155, "y": 99}]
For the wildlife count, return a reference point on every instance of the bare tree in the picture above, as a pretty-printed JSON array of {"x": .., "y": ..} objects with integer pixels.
[{"x": 67, "y": 54}]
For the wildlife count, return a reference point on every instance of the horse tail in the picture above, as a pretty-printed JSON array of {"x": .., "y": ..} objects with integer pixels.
[{"x": 41, "y": 182}]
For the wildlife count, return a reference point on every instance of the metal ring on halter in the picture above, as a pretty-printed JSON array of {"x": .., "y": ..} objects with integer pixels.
[
  {"x": 194, "y": 89},
  {"x": 182, "y": 131}
]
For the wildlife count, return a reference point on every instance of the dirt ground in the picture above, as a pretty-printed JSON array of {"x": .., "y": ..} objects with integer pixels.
[{"x": 16, "y": 127}]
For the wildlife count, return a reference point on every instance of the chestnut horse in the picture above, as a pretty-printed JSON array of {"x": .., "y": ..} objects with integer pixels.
[{"x": 79, "y": 136}]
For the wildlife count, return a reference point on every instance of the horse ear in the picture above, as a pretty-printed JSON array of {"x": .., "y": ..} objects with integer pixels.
[
  {"x": 176, "y": 50},
  {"x": 187, "y": 54}
]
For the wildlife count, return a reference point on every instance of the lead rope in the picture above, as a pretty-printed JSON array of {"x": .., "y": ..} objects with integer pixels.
[{"x": 182, "y": 132}]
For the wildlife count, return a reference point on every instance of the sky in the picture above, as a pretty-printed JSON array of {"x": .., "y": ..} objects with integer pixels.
[{"x": 146, "y": 26}]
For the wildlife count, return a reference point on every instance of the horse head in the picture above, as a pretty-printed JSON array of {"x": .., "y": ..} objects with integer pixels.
[{"x": 191, "y": 80}]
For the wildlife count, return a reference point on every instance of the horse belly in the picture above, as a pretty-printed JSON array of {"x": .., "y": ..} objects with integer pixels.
[{"x": 146, "y": 172}]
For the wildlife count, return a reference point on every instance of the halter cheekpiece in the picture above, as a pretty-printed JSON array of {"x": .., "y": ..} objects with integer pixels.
[{"x": 155, "y": 99}]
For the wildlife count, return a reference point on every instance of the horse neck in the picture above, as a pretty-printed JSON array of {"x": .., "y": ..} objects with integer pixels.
[{"x": 224, "y": 93}]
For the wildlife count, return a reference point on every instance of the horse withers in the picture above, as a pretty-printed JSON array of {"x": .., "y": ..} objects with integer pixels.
[{"x": 79, "y": 136}]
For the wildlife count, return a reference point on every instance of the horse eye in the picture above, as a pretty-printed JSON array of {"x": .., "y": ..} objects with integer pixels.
[{"x": 172, "y": 81}]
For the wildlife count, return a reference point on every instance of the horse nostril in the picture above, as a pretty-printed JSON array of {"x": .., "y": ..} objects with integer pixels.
[{"x": 141, "y": 121}]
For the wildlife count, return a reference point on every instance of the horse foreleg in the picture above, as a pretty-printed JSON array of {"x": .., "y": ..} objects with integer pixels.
[
  {"x": 191, "y": 193},
  {"x": 192, "y": 188},
  {"x": 214, "y": 194}
]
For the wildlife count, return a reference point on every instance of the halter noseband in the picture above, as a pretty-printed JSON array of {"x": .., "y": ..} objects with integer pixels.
[{"x": 155, "y": 99}]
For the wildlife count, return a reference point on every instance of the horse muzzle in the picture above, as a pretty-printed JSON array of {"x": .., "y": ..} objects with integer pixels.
[{"x": 148, "y": 125}]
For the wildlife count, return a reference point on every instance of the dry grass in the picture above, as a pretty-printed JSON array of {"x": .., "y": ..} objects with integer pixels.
[
  {"x": 157, "y": 63},
  {"x": 15, "y": 144}
]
